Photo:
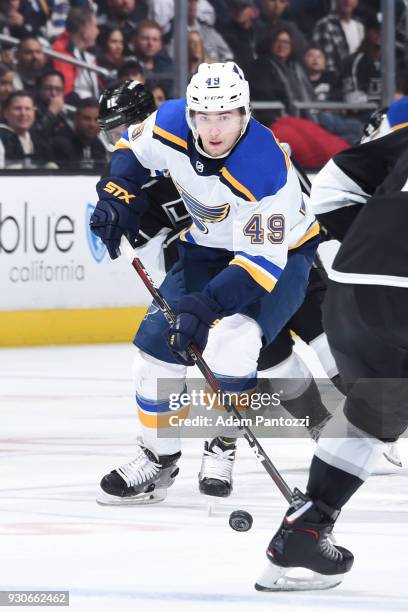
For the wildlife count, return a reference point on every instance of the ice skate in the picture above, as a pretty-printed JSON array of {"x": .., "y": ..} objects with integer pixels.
[
  {"x": 144, "y": 480},
  {"x": 303, "y": 542},
  {"x": 215, "y": 477}
]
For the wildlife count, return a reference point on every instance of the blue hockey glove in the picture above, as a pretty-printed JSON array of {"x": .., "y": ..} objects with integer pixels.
[
  {"x": 195, "y": 314},
  {"x": 117, "y": 213}
]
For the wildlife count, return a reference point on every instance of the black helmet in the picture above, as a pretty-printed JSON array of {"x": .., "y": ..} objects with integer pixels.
[
  {"x": 374, "y": 123},
  {"x": 124, "y": 104}
]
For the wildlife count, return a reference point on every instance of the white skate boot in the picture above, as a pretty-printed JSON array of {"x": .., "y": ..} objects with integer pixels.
[{"x": 215, "y": 477}]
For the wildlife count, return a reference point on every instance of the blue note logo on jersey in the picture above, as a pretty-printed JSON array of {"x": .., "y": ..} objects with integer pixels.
[
  {"x": 202, "y": 214},
  {"x": 152, "y": 310},
  {"x": 96, "y": 246}
]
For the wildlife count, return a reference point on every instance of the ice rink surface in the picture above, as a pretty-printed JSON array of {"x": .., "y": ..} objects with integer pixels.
[{"x": 68, "y": 417}]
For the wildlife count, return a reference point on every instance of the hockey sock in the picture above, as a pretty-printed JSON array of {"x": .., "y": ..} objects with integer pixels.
[
  {"x": 344, "y": 458},
  {"x": 330, "y": 484}
]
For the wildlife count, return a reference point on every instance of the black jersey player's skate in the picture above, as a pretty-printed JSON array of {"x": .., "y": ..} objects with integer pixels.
[
  {"x": 144, "y": 480},
  {"x": 215, "y": 477},
  {"x": 304, "y": 541}
]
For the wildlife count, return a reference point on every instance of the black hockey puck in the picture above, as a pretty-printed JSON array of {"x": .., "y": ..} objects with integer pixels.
[{"x": 240, "y": 520}]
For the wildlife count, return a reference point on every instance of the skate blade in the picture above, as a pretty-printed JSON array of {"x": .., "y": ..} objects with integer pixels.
[
  {"x": 393, "y": 457},
  {"x": 212, "y": 505},
  {"x": 143, "y": 499},
  {"x": 277, "y": 578}
]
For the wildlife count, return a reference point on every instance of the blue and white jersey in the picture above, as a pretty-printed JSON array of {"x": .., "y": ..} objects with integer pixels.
[{"x": 249, "y": 202}]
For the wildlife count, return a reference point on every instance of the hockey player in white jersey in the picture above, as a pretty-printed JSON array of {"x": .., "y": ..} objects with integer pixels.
[{"x": 246, "y": 257}]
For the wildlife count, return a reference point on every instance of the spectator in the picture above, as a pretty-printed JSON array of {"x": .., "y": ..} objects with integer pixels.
[
  {"x": 326, "y": 86},
  {"x": 158, "y": 93},
  {"x": 306, "y": 14},
  {"x": 6, "y": 85},
  {"x": 31, "y": 62},
  {"x": 278, "y": 75},
  {"x": 79, "y": 148},
  {"x": 243, "y": 32},
  {"x": 324, "y": 82},
  {"x": 131, "y": 70},
  {"x": 111, "y": 44},
  {"x": 7, "y": 55},
  {"x": 215, "y": 46},
  {"x": 124, "y": 15},
  {"x": 222, "y": 13},
  {"x": 362, "y": 70},
  {"x": 22, "y": 145},
  {"x": 12, "y": 21},
  {"x": 51, "y": 113},
  {"x": 196, "y": 52},
  {"x": 339, "y": 34},
  {"x": 401, "y": 85},
  {"x": 80, "y": 35},
  {"x": 162, "y": 11},
  {"x": 271, "y": 18},
  {"x": 148, "y": 47},
  {"x": 36, "y": 17},
  {"x": 48, "y": 17}
]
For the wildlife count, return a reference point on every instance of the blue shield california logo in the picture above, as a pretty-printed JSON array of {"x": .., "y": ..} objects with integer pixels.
[{"x": 96, "y": 245}]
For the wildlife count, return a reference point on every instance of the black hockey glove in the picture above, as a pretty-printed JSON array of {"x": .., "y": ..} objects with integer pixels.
[
  {"x": 196, "y": 313},
  {"x": 117, "y": 213}
]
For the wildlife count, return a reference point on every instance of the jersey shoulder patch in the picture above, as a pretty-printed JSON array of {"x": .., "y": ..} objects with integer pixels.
[
  {"x": 258, "y": 166},
  {"x": 171, "y": 126}
]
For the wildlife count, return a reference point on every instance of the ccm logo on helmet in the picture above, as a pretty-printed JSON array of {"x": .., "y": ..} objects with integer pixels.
[{"x": 118, "y": 192}]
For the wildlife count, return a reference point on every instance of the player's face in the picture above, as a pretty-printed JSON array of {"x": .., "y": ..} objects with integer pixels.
[
  {"x": 218, "y": 131},
  {"x": 115, "y": 133}
]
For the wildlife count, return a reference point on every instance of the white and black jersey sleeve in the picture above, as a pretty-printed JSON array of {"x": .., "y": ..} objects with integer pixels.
[
  {"x": 374, "y": 248},
  {"x": 346, "y": 182}
]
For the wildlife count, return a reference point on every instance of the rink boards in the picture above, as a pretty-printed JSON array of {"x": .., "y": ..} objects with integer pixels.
[{"x": 58, "y": 285}]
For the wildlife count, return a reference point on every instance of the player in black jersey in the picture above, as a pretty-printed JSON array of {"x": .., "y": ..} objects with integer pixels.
[
  {"x": 131, "y": 103},
  {"x": 361, "y": 196}
]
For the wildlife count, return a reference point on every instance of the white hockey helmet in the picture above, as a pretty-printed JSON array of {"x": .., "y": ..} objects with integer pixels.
[{"x": 215, "y": 88}]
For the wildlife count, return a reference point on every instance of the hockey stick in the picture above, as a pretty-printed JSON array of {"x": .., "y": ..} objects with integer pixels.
[
  {"x": 211, "y": 380},
  {"x": 303, "y": 179}
]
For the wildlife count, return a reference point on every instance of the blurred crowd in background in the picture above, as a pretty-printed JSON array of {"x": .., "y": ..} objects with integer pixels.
[{"x": 291, "y": 51}]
